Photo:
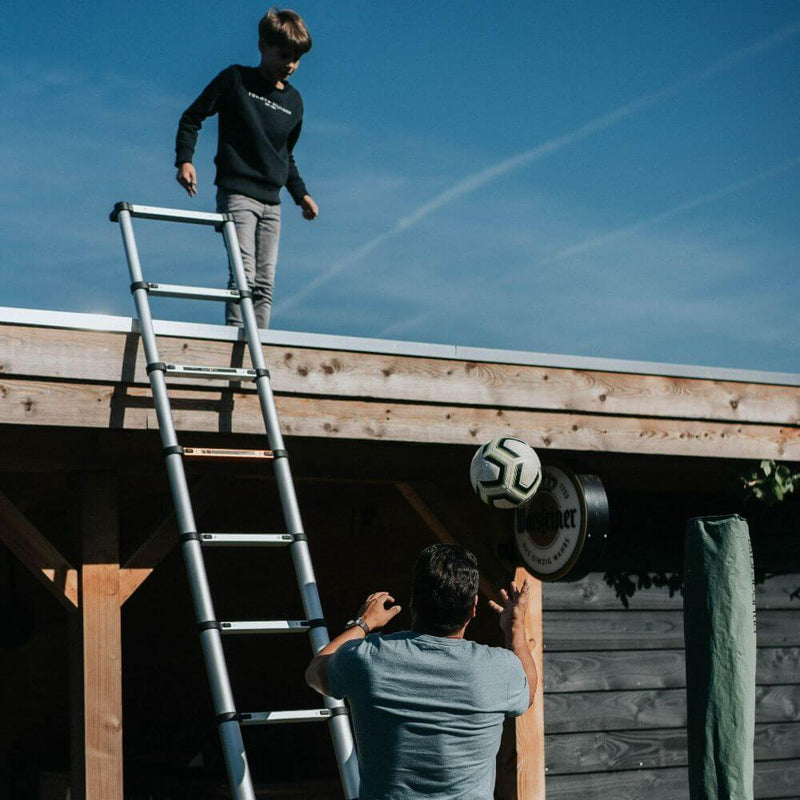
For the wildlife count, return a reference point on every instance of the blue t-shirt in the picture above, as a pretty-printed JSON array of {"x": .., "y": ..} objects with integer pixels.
[{"x": 427, "y": 712}]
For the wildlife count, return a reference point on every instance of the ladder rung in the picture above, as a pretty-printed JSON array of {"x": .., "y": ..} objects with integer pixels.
[
  {"x": 267, "y": 626},
  {"x": 192, "y": 292},
  {"x": 211, "y": 373},
  {"x": 281, "y": 717},
  {"x": 246, "y": 539},
  {"x": 224, "y": 454},
  {"x": 168, "y": 214}
]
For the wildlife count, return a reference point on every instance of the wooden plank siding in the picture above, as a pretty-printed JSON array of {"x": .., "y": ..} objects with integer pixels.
[
  {"x": 615, "y": 698},
  {"x": 660, "y": 669},
  {"x": 773, "y": 779},
  {"x": 96, "y": 379}
]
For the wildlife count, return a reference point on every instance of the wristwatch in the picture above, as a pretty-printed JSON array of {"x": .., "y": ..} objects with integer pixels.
[{"x": 361, "y": 624}]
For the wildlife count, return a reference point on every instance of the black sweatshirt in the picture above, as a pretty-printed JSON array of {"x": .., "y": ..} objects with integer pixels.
[{"x": 259, "y": 126}]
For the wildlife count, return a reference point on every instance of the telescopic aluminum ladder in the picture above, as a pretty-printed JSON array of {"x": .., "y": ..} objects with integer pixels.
[{"x": 229, "y": 720}]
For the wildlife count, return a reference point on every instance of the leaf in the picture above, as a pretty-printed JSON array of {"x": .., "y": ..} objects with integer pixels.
[{"x": 766, "y": 467}]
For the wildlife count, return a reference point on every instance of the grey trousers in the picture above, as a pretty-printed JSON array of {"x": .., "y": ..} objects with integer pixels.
[{"x": 258, "y": 228}]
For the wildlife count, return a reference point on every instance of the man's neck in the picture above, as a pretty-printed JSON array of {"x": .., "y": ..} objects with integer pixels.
[{"x": 457, "y": 635}]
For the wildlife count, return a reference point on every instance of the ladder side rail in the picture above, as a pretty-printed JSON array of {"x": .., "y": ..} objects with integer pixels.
[
  {"x": 210, "y": 638},
  {"x": 291, "y": 510},
  {"x": 341, "y": 732}
]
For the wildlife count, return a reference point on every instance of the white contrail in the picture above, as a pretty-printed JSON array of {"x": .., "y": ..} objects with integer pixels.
[
  {"x": 475, "y": 181},
  {"x": 681, "y": 208},
  {"x": 602, "y": 239}
]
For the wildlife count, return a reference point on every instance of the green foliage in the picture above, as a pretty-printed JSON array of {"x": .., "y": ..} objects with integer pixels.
[
  {"x": 625, "y": 586},
  {"x": 770, "y": 482}
]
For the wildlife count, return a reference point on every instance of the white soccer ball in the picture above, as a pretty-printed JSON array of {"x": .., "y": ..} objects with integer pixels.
[{"x": 505, "y": 473}]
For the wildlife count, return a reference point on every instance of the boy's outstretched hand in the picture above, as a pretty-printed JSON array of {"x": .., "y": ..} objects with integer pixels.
[
  {"x": 309, "y": 207},
  {"x": 187, "y": 177}
]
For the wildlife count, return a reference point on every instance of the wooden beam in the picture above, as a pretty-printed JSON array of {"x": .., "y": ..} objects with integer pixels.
[
  {"x": 101, "y": 633},
  {"x": 90, "y": 406},
  {"x": 530, "y": 726},
  {"x": 107, "y": 357},
  {"x": 139, "y": 567},
  {"x": 438, "y": 529},
  {"x": 30, "y": 546}
]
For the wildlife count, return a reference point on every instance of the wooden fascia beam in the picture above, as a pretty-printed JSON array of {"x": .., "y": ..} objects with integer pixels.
[{"x": 30, "y": 546}]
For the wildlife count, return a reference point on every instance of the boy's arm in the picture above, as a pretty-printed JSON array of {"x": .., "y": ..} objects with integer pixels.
[
  {"x": 206, "y": 105},
  {"x": 294, "y": 183}
]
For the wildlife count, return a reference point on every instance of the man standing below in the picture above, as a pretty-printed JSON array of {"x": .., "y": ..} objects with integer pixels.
[{"x": 427, "y": 704}]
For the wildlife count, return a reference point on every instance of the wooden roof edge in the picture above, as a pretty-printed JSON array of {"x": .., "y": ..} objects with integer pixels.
[{"x": 70, "y": 320}]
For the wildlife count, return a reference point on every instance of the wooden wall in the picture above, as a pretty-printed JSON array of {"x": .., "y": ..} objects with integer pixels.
[{"x": 615, "y": 698}]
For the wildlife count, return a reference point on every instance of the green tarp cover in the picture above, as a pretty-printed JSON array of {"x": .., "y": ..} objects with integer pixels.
[{"x": 720, "y": 635}]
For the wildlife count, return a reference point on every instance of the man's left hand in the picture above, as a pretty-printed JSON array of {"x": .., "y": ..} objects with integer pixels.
[
  {"x": 374, "y": 611},
  {"x": 309, "y": 207}
]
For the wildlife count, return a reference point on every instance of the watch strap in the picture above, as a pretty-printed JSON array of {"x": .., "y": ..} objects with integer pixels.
[{"x": 361, "y": 624}]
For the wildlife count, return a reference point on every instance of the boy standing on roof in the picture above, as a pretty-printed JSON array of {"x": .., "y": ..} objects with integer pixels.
[{"x": 260, "y": 116}]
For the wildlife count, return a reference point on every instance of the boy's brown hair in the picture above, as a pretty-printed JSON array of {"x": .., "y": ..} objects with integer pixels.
[{"x": 284, "y": 29}]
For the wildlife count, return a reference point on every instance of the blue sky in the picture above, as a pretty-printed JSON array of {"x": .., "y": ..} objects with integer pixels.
[{"x": 614, "y": 179}]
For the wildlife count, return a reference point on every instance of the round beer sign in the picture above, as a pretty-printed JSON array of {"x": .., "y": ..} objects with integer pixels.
[{"x": 563, "y": 530}]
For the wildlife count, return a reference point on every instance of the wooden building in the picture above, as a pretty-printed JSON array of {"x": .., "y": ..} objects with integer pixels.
[{"x": 99, "y": 659}]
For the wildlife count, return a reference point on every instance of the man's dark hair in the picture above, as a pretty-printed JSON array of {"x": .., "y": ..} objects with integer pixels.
[{"x": 444, "y": 589}]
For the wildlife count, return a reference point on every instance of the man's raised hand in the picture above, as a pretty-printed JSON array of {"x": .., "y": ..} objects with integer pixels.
[
  {"x": 514, "y": 607},
  {"x": 374, "y": 611}
]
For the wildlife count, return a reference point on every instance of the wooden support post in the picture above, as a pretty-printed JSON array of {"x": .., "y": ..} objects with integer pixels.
[
  {"x": 530, "y": 726},
  {"x": 101, "y": 647}
]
